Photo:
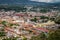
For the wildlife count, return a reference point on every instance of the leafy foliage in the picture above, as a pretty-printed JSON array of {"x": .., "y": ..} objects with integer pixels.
[
  {"x": 2, "y": 34},
  {"x": 57, "y": 20},
  {"x": 34, "y": 19},
  {"x": 42, "y": 36},
  {"x": 54, "y": 35}
]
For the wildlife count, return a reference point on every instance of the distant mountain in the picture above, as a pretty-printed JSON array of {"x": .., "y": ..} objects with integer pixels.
[
  {"x": 26, "y": 2},
  {"x": 12, "y": 1}
]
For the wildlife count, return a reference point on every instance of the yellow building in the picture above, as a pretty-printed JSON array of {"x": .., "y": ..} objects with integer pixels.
[{"x": 45, "y": 24}]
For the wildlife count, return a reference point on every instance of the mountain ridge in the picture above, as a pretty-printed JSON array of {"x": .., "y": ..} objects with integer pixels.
[{"x": 26, "y": 2}]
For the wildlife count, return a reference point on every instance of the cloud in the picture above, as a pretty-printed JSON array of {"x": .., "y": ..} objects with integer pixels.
[{"x": 46, "y": 0}]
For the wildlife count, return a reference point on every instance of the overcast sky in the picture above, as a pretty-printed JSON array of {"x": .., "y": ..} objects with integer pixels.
[{"x": 46, "y": 0}]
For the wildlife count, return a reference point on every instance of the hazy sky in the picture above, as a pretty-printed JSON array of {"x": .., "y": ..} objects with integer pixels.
[{"x": 46, "y": 0}]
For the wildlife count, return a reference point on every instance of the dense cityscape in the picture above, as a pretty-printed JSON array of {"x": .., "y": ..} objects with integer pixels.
[{"x": 27, "y": 22}]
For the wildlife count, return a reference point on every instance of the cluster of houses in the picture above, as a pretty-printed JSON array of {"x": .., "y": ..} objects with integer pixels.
[{"x": 25, "y": 27}]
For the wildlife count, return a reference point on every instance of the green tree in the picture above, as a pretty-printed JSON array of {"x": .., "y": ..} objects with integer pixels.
[
  {"x": 4, "y": 23},
  {"x": 57, "y": 20},
  {"x": 2, "y": 34},
  {"x": 44, "y": 17},
  {"x": 35, "y": 19},
  {"x": 24, "y": 38},
  {"x": 44, "y": 10},
  {"x": 41, "y": 36},
  {"x": 54, "y": 35}
]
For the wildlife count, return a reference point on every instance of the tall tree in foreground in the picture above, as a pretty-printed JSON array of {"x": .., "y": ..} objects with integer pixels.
[{"x": 54, "y": 35}]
